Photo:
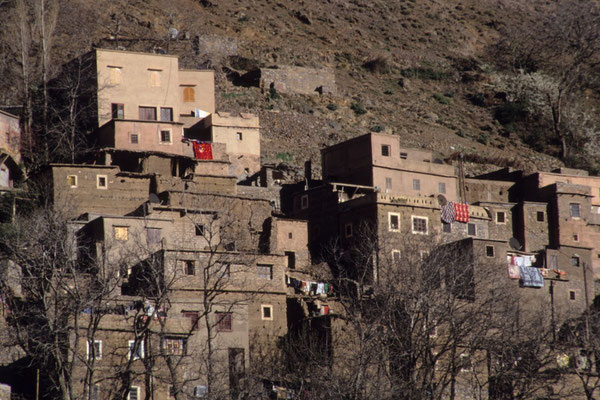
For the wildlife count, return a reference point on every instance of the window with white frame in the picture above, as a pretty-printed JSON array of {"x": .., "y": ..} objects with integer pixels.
[
  {"x": 165, "y": 136},
  {"x": 264, "y": 271},
  {"x": 419, "y": 224},
  {"x": 388, "y": 183},
  {"x": 72, "y": 181},
  {"x": 94, "y": 350},
  {"x": 416, "y": 184},
  {"x": 134, "y": 138},
  {"x": 266, "y": 312},
  {"x": 101, "y": 182},
  {"x": 575, "y": 210},
  {"x": 396, "y": 255},
  {"x": 394, "y": 222},
  {"x": 136, "y": 349},
  {"x": 175, "y": 346},
  {"x": 134, "y": 393},
  {"x": 442, "y": 187}
]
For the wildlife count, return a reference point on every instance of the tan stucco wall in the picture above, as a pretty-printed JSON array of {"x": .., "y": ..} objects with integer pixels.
[
  {"x": 203, "y": 83},
  {"x": 547, "y": 178}
]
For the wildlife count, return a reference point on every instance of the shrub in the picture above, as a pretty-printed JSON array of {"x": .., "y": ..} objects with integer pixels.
[
  {"x": 332, "y": 106},
  {"x": 477, "y": 99},
  {"x": 358, "y": 108},
  {"x": 243, "y": 18},
  {"x": 273, "y": 94},
  {"x": 424, "y": 73},
  {"x": 442, "y": 99},
  {"x": 460, "y": 133},
  {"x": 379, "y": 64},
  {"x": 377, "y": 128},
  {"x": 388, "y": 92},
  {"x": 484, "y": 138}
]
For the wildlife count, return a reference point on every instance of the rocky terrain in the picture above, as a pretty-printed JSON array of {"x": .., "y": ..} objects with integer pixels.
[{"x": 423, "y": 69}]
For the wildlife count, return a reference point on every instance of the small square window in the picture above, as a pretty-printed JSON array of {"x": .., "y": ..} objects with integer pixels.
[
  {"x": 304, "y": 202},
  {"x": 165, "y": 136},
  {"x": 239, "y": 135},
  {"x": 501, "y": 217},
  {"x": 136, "y": 349},
  {"x": 416, "y": 184},
  {"x": 121, "y": 232},
  {"x": 101, "y": 182},
  {"x": 134, "y": 138},
  {"x": 571, "y": 295},
  {"x": 193, "y": 316},
  {"x": 153, "y": 235},
  {"x": 442, "y": 187},
  {"x": 224, "y": 321},
  {"x": 540, "y": 216},
  {"x": 394, "y": 222},
  {"x": 348, "y": 230},
  {"x": 575, "y": 210},
  {"x": 174, "y": 346},
  {"x": 290, "y": 235},
  {"x": 264, "y": 271},
  {"x": 190, "y": 267},
  {"x": 72, "y": 181},
  {"x": 575, "y": 261},
  {"x": 446, "y": 227},
  {"x": 385, "y": 150},
  {"x": 419, "y": 225},
  {"x": 553, "y": 261},
  {"x": 199, "y": 228},
  {"x": 404, "y": 156},
  {"x": 267, "y": 312},
  {"x": 166, "y": 114},
  {"x": 575, "y": 237},
  {"x": 396, "y": 256},
  {"x": 471, "y": 229},
  {"x": 489, "y": 251}
]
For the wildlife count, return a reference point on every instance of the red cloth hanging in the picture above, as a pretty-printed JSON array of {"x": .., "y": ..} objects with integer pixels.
[
  {"x": 203, "y": 151},
  {"x": 461, "y": 212}
]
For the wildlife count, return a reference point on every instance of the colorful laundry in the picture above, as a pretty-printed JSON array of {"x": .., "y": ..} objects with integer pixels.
[
  {"x": 202, "y": 150},
  {"x": 461, "y": 212},
  {"x": 531, "y": 277},
  {"x": 447, "y": 212}
]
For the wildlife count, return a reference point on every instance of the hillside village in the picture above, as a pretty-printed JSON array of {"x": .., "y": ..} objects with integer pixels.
[{"x": 189, "y": 269}]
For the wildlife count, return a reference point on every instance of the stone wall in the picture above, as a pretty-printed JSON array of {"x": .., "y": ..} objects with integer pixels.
[{"x": 299, "y": 80}]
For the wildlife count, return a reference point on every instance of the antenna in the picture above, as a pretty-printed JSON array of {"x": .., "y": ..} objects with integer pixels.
[{"x": 514, "y": 244}]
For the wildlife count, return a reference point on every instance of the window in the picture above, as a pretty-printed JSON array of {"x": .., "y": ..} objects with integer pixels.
[
  {"x": 404, "y": 156},
  {"x": 175, "y": 346},
  {"x": 166, "y": 114},
  {"x": 290, "y": 235},
  {"x": 394, "y": 222},
  {"x": 193, "y": 316},
  {"x": 396, "y": 256},
  {"x": 385, "y": 150},
  {"x": 154, "y": 77},
  {"x": 117, "y": 111},
  {"x": 200, "y": 391},
  {"x": 442, "y": 187},
  {"x": 190, "y": 267},
  {"x": 121, "y": 232},
  {"x": 94, "y": 352},
  {"x": 489, "y": 251},
  {"x": 471, "y": 229},
  {"x": 304, "y": 202},
  {"x": 571, "y": 295},
  {"x": 153, "y": 235},
  {"x": 224, "y": 321},
  {"x": 553, "y": 262},
  {"x": 575, "y": 210},
  {"x": 416, "y": 184},
  {"x": 72, "y": 180},
  {"x": 239, "y": 136},
  {"x": 147, "y": 113},
  {"x": 501, "y": 217},
  {"x": 114, "y": 75},
  {"x": 136, "y": 349},
  {"x": 199, "y": 229},
  {"x": 540, "y": 216},
  {"x": 291, "y": 259},
  {"x": 101, "y": 182},
  {"x": 189, "y": 94},
  {"x": 575, "y": 261},
  {"x": 266, "y": 312},
  {"x": 134, "y": 138},
  {"x": 348, "y": 230},
  {"x": 446, "y": 227},
  {"x": 575, "y": 237},
  {"x": 419, "y": 225},
  {"x": 264, "y": 271},
  {"x": 165, "y": 136},
  {"x": 134, "y": 393},
  {"x": 423, "y": 254},
  {"x": 96, "y": 392},
  {"x": 388, "y": 183}
]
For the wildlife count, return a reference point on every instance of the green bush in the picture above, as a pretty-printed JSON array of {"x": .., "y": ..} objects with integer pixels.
[
  {"x": 332, "y": 106},
  {"x": 484, "y": 138},
  {"x": 388, "y": 92},
  {"x": 358, "y": 108},
  {"x": 377, "y": 128},
  {"x": 442, "y": 99},
  {"x": 243, "y": 18},
  {"x": 273, "y": 94},
  {"x": 424, "y": 73}
]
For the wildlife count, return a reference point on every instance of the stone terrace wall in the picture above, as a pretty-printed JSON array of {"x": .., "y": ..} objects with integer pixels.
[{"x": 299, "y": 80}]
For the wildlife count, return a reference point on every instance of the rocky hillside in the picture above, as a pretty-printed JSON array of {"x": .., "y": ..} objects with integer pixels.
[{"x": 419, "y": 69}]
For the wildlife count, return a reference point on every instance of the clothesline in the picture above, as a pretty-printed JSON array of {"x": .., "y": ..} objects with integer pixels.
[
  {"x": 451, "y": 212},
  {"x": 310, "y": 287}
]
